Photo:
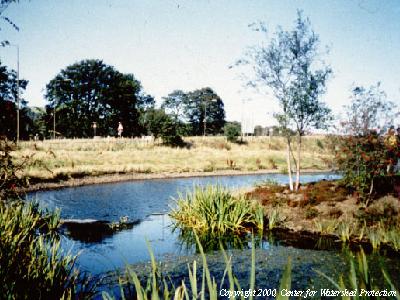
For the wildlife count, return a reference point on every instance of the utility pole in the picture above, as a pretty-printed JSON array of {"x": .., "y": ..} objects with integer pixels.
[{"x": 18, "y": 94}]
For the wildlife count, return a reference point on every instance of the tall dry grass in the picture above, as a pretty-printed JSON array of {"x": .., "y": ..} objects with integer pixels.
[{"x": 62, "y": 159}]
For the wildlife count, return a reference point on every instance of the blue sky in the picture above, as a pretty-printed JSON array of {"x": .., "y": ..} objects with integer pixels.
[{"x": 171, "y": 44}]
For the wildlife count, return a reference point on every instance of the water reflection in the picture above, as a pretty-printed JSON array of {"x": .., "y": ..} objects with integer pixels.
[{"x": 211, "y": 242}]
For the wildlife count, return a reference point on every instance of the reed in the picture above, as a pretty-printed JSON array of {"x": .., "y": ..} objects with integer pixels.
[
  {"x": 274, "y": 218},
  {"x": 325, "y": 227},
  {"x": 214, "y": 210},
  {"x": 32, "y": 264},
  {"x": 202, "y": 285},
  {"x": 359, "y": 279},
  {"x": 345, "y": 230},
  {"x": 157, "y": 288}
]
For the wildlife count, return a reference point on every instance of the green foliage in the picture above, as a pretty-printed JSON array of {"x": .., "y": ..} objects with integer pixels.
[
  {"x": 153, "y": 120},
  {"x": 359, "y": 279},
  {"x": 205, "y": 107},
  {"x": 175, "y": 105},
  {"x": 195, "y": 111},
  {"x": 157, "y": 288},
  {"x": 169, "y": 134},
  {"x": 32, "y": 264},
  {"x": 232, "y": 130},
  {"x": 159, "y": 124},
  {"x": 363, "y": 159},
  {"x": 213, "y": 210},
  {"x": 91, "y": 91}
]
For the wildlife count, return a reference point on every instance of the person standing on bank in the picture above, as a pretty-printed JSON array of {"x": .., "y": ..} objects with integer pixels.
[{"x": 120, "y": 129}]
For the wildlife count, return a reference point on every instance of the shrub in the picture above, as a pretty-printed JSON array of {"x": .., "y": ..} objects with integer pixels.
[
  {"x": 169, "y": 133},
  {"x": 232, "y": 132},
  {"x": 362, "y": 159}
]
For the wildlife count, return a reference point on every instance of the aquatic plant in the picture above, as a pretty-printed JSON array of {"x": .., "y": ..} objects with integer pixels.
[
  {"x": 374, "y": 238},
  {"x": 325, "y": 226},
  {"x": 215, "y": 210},
  {"x": 274, "y": 218},
  {"x": 394, "y": 238},
  {"x": 345, "y": 230},
  {"x": 156, "y": 286},
  {"x": 32, "y": 264},
  {"x": 359, "y": 279}
]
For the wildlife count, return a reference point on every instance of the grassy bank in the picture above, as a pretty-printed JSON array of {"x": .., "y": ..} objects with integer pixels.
[{"x": 64, "y": 159}]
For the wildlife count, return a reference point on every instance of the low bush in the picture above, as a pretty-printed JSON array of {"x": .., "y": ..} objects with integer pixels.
[{"x": 364, "y": 160}]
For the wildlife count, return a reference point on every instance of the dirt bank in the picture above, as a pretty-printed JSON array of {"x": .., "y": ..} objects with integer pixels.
[{"x": 111, "y": 178}]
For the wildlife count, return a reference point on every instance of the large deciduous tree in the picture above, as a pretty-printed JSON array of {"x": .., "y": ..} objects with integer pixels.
[
  {"x": 91, "y": 91},
  {"x": 197, "y": 112},
  {"x": 205, "y": 112},
  {"x": 175, "y": 105},
  {"x": 289, "y": 64}
]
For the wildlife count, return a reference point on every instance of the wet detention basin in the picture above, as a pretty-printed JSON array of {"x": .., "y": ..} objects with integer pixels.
[{"x": 146, "y": 203}]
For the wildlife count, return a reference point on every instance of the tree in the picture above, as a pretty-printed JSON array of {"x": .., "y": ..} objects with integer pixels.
[
  {"x": 289, "y": 65},
  {"x": 175, "y": 105},
  {"x": 91, "y": 91},
  {"x": 159, "y": 124},
  {"x": 152, "y": 120},
  {"x": 8, "y": 107},
  {"x": 38, "y": 121},
  {"x": 232, "y": 130},
  {"x": 368, "y": 109},
  {"x": 205, "y": 112}
]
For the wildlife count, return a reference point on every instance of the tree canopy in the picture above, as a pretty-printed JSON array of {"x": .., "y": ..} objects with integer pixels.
[
  {"x": 91, "y": 91},
  {"x": 198, "y": 112}
]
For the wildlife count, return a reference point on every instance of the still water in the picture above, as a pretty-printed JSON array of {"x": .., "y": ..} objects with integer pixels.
[{"x": 144, "y": 201}]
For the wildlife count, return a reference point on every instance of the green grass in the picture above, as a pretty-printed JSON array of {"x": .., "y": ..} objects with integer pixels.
[{"x": 214, "y": 210}]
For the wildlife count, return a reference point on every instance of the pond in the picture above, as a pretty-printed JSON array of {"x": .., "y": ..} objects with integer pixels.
[
  {"x": 141, "y": 198},
  {"x": 147, "y": 202},
  {"x": 144, "y": 201}
]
